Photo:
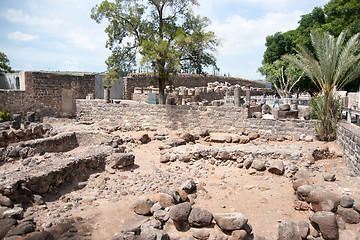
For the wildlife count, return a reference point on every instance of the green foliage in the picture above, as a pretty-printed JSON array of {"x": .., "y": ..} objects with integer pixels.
[
  {"x": 336, "y": 16},
  {"x": 327, "y": 112},
  {"x": 282, "y": 75},
  {"x": 165, "y": 33},
  {"x": 4, "y": 64},
  {"x": 5, "y": 115},
  {"x": 336, "y": 63}
]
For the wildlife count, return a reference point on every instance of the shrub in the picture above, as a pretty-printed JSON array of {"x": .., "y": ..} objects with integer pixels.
[
  {"x": 327, "y": 112},
  {"x": 5, "y": 115}
]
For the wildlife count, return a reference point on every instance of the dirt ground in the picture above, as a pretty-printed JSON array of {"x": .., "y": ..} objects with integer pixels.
[{"x": 106, "y": 201}]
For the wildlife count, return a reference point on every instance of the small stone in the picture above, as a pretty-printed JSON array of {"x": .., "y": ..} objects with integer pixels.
[
  {"x": 202, "y": 234},
  {"x": 188, "y": 186},
  {"x": 301, "y": 206},
  {"x": 330, "y": 177}
]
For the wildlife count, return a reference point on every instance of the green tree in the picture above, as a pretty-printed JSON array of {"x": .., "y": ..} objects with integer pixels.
[
  {"x": 4, "y": 64},
  {"x": 336, "y": 16},
  {"x": 282, "y": 75},
  {"x": 335, "y": 63},
  {"x": 165, "y": 33}
]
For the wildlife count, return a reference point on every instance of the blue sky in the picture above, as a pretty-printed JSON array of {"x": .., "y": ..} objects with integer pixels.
[{"x": 58, "y": 35}]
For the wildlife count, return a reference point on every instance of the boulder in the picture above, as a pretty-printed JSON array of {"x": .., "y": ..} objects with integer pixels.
[
  {"x": 188, "y": 137},
  {"x": 122, "y": 160},
  {"x": 228, "y": 139},
  {"x": 16, "y": 213},
  {"x": 244, "y": 140},
  {"x": 326, "y": 224},
  {"x": 180, "y": 213},
  {"x": 143, "y": 205},
  {"x": 254, "y": 135},
  {"x": 165, "y": 200},
  {"x": 5, "y": 226},
  {"x": 238, "y": 235},
  {"x": 223, "y": 155},
  {"x": 277, "y": 167},
  {"x": 230, "y": 221},
  {"x": 200, "y": 217},
  {"x": 204, "y": 133},
  {"x": 142, "y": 137},
  {"x": 174, "y": 142},
  {"x": 303, "y": 192},
  {"x": 304, "y": 229},
  {"x": 349, "y": 215},
  {"x": 258, "y": 165},
  {"x": 165, "y": 158},
  {"x": 322, "y": 200},
  {"x": 288, "y": 230},
  {"x": 356, "y": 206},
  {"x": 347, "y": 202},
  {"x": 22, "y": 229},
  {"x": 300, "y": 182}
]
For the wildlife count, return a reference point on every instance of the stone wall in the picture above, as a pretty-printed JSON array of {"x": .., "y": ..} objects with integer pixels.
[
  {"x": 348, "y": 137},
  {"x": 47, "y": 93},
  {"x": 218, "y": 119},
  {"x": 186, "y": 80}
]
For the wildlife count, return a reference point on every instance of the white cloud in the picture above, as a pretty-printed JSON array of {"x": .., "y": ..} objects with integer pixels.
[
  {"x": 22, "y": 37},
  {"x": 18, "y": 16},
  {"x": 240, "y": 36}
]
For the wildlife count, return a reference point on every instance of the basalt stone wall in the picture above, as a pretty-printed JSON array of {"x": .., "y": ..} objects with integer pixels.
[
  {"x": 348, "y": 137},
  {"x": 187, "y": 80},
  {"x": 47, "y": 93},
  {"x": 191, "y": 118}
]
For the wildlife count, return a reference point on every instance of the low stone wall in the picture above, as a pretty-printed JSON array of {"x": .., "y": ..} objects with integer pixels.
[
  {"x": 192, "y": 118},
  {"x": 348, "y": 137}
]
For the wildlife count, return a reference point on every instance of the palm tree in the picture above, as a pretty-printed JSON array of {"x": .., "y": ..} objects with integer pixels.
[{"x": 335, "y": 64}]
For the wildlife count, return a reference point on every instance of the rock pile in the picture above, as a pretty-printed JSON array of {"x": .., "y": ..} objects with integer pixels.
[{"x": 173, "y": 208}]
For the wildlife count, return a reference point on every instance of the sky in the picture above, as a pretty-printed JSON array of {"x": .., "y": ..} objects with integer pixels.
[{"x": 59, "y": 35}]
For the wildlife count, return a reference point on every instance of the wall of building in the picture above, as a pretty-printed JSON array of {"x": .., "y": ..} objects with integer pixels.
[
  {"x": 47, "y": 93},
  {"x": 220, "y": 119},
  {"x": 187, "y": 80},
  {"x": 348, "y": 137}
]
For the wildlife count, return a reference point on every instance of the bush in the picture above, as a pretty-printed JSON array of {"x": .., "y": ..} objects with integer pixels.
[
  {"x": 5, "y": 115},
  {"x": 327, "y": 112}
]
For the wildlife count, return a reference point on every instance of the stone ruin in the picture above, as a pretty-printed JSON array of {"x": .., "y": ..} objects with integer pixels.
[{"x": 50, "y": 170}]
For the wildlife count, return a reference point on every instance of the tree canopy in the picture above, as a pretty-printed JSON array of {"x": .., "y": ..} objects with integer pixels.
[
  {"x": 336, "y": 16},
  {"x": 163, "y": 36},
  {"x": 4, "y": 64}
]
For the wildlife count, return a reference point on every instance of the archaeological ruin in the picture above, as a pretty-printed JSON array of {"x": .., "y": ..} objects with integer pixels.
[{"x": 217, "y": 161}]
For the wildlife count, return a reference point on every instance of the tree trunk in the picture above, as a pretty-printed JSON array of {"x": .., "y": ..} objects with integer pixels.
[{"x": 161, "y": 90}]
